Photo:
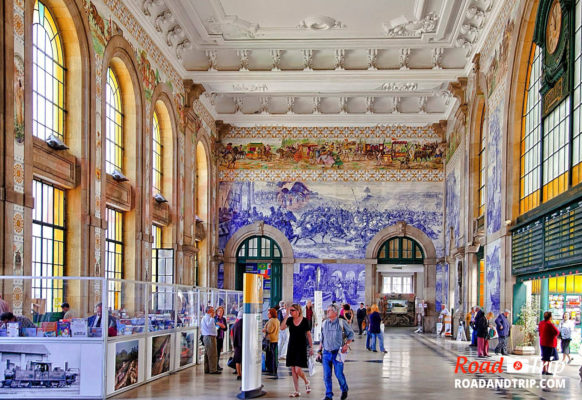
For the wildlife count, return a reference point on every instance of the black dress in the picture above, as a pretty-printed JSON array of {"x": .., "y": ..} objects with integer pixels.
[{"x": 297, "y": 348}]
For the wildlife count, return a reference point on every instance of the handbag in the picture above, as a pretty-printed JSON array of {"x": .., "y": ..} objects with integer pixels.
[{"x": 266, "y": 343}]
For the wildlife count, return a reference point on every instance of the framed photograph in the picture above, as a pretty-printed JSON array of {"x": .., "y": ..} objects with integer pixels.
[
  {"x": 161, "y": 351},
  {"x": 126, "y": 363}
]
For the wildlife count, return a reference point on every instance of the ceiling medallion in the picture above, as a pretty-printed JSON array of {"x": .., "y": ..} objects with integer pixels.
[
  {"x": 320, "y": 23},
  {"x": 399, "y": 86},
  {"x": 398, "y": 29}
]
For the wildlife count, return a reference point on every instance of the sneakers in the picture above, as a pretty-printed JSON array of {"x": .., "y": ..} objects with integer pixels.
[{"x": 344, "y": 395}]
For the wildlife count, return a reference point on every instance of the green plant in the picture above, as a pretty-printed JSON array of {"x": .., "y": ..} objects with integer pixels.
[{"x": 528, "y": 320}]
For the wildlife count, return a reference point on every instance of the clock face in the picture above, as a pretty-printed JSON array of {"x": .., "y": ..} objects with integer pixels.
[{"x": 554, "y": 27}]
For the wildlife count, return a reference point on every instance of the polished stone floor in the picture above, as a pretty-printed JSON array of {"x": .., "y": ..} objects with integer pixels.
[{"x": 415, "y": 367}]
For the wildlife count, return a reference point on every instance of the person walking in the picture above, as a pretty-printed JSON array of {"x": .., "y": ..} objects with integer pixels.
[
  {"x": 237, "y": 343},
  {"x": 283, "y": 334},
  {"x": 271, "y": 331},
  {"x": 548, "y": 342},
  {"x": 209, "y": 333},
  {"x": 361, "y": 317},
  {"x": 333, "y": 343},
  {"x": 221, "y": 327},
  {"x": 474, "y": 312},
  {"x": 368, "y": 335},
  {"x": 503, "y": 331},
  {"x": 566, "y": 328},
  {"x": 375, "y": 330},
  {"x": 300, "y": 345},
  {"x": 310, "y": 315},
  {"x": 348, "y": 314},
  {"x": 482, "y": 327}
]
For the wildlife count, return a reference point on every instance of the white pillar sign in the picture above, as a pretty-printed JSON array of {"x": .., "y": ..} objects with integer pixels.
[
  {"x": 318, "y": 305},
  {"x": 252, "y": 337}
]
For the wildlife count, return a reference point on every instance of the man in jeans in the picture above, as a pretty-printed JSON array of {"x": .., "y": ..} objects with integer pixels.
[
  {"x": 503, "y": 331},
  {"x": 209, "y": 332},
  {"x": 332, "y": 333}
]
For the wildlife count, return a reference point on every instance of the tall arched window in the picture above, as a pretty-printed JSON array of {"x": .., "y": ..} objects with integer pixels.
[
  {"x": 157, "y": 161},
  {"x": 48, "y": 76},
  {"x": 114, "y": 124},
  {"x": 482, "y": 166},
  {"x": 531, "y": 136}
]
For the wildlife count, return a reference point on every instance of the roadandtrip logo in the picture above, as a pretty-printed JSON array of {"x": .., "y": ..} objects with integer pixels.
[{"x": 483, "y": 374}]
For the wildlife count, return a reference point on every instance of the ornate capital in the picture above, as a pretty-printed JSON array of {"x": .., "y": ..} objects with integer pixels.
[
  {"x": 193, "y": 91},
  {"x": 222, "y": 129},
  {"x": 458, "y": 89},
  {"x": 440, "y": 128}
]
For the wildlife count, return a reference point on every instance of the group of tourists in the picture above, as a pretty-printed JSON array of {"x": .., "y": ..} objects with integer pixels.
[{"x": 485, "y": 328}]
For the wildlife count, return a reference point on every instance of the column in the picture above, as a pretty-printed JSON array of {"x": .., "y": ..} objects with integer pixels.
[{"x": 544, "y": 298}]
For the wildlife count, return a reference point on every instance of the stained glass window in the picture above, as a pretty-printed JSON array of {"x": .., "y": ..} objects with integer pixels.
[
  {"x": 156, "y": 156},
  {"x": 113, "y": 124},
  {"x": 48, "y": 243},
  {"x": 48, "y": 76},
  {"x": 114, "y": 255}
]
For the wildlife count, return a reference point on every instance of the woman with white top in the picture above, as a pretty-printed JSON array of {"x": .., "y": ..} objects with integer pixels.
[{"x": 566, "y": 328}]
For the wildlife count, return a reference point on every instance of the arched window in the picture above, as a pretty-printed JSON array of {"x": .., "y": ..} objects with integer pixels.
[
  {"x": 482, "y": 195},
  {"x": 400, "y": 250},
  {"x": 157, "y": 160},
  {"x": 531, "y": 136},
  {"x": 48, "y": 76},
  {"x": 114, "y": 124}
]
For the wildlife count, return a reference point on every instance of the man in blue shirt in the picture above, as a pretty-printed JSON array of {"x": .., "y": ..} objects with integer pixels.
[
  {"x": 209, "y": 332},
  {"x": 503, "y": 331},
  {"x": 334, "y": 349}
]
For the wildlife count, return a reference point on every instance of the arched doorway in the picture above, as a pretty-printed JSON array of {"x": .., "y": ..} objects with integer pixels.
[
  {"x": 403, "y": 244},
  {"x": 201, "y": 216},
  {"x": 401, "y": 266},
  {"x": 261, "y": 255}
]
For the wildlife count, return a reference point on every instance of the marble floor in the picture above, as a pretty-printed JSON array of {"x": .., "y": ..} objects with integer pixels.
[{"x": 415, "y": 367}]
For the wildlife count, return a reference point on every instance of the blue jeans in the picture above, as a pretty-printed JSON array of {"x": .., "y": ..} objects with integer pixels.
[
  {"x": 368, "y": 338},
  {"x": 329, "y": 359},
  {"x": 474, "y": 337},
  {"x": 380, "y": 337}
]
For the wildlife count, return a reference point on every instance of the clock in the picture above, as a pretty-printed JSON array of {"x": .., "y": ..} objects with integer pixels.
[{"x": 554, "y": 27}]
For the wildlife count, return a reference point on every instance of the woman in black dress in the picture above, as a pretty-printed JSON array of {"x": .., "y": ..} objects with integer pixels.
[
  {"x": 237, "y": 342},
  {"x": 299, "y": 345}
]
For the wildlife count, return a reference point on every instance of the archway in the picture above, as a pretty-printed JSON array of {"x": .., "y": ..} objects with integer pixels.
[
  {"x": 427, "y": 258},
  {"x": 260, "y": 229},
  {"x": 201, "y": 214},
  {"x": 261, "y": 255}
]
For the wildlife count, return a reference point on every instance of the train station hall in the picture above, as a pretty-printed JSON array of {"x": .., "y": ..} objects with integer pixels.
[{"x": 219, "y": 199}]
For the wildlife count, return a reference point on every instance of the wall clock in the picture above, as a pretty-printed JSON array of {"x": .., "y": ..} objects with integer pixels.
[{"x": 554, "y": 27}]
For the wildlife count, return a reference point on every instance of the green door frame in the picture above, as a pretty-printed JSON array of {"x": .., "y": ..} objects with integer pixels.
[{"x": 263, "y": 250}]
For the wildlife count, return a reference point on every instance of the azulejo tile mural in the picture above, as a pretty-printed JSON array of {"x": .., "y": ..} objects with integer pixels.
[
  {"x": 327, "y": 132},
  {"x": 453, "y": 207},
  {"x": 343, "y": 283},
  {"x": 494, "y": 171},
  {"x": 493, "y": 277},
  {"x": 330, "y": 220},
  {"x": 335, "y": 153},
  {"x": 332, "y": 175}
]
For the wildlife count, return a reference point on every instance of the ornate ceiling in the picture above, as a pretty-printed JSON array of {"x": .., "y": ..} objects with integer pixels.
[{"x": 323, "y": 62}]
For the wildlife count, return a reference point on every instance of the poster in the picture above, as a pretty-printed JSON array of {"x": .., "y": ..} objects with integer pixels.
[
  {"x": 161, "y": 350},
  {"x": 186, "y": 348},
  {"x": 41, "y": 369},
  {"x": 126, "y": 363}
]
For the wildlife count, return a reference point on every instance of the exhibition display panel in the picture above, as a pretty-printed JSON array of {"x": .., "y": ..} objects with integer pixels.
[{"x": 148, "y": 331}]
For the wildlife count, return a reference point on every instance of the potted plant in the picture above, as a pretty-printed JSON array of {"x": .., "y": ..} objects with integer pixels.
[{"x": 528, "y": 325}]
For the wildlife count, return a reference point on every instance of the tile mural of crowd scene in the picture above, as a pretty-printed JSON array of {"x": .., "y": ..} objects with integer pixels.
[
  {"x": 329, "y": 219},
  {"x": 332, "y": 153},
  {"x": 342, "y": 283}
]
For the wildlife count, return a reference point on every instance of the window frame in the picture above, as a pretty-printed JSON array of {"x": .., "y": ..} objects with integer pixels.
[
  {"x": 54, "y": 286},
  {"x": 57, "y": 61},
  {"x": 114, "y": 119},
  {"x": 114, "y": 287},
  {"x": 157, "y": 156}
]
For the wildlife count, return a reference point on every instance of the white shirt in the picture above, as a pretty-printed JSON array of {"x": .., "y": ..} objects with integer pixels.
[
  {"x": 566, "y": 328},
  {"x": 208, "y": 326}
]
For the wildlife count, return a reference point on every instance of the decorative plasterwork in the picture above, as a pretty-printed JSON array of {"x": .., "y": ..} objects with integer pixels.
[
  {"x": 473, "y": 22},
  {"x": 232, "y": 27},
  {"x": 332, "y": 175},
  {"x": 372, "y": 132},
  {"x": 320, "y": 23},
  {"x": 411, "y": 29},
  {"x": 399, "y": 86},
  {"x": 242, "y": 87}
]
